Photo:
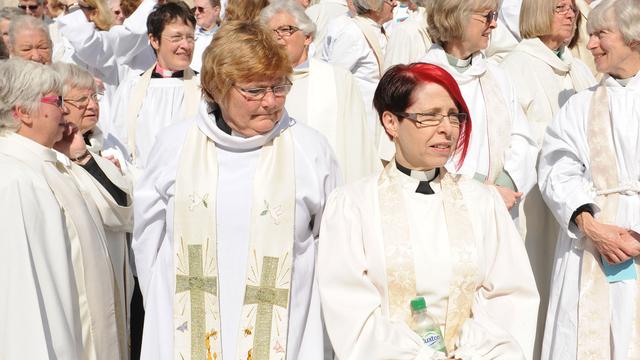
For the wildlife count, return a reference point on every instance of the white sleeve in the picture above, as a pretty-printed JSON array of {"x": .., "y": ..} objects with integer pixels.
[
  {"x": 346, "y": 49},
  {"x": 405, "y": 45}
]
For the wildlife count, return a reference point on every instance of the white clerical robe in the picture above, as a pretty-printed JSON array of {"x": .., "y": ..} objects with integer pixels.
[
  {"x": 409, "y": 41},
  {"x": 353, "y": 280},
  {"x": 322, "y": 13},
  {"x": 506, "y": 35},
  {"x": 163, "y": 105},
  {"x": 345, "y": 45},
  {"x": 316, "y": 172},
  {"x": 521, "y": 154},
  {"x": 326, "y": 98},
  {"x": 546, "y": 85},
  {"x": 203, "y": 39},
  {"x": 41, "y": 316},
  {"x": 566, "y": 183}
]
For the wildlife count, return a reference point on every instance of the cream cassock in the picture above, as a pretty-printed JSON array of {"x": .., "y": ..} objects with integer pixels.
[{"x": 316, "y": 175}]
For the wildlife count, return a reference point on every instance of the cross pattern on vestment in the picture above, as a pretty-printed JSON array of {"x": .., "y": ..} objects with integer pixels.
[
  {"x": 266, "y": 296},
  {"x": 197, "y": 284}
]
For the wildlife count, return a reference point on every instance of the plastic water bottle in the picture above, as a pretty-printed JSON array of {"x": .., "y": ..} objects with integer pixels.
[{"x": 425, "y": 326}]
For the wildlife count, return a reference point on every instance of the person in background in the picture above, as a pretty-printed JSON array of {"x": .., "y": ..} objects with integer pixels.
[
  {"x": 116, "y": 10},
  {"x": 207, "y": 13},
  {"x": 29, "y": 39},
  {"x": 6, "y": 15}
]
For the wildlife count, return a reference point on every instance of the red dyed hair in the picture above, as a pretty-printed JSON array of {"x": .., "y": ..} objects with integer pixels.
[{"x": 395, "y": 94}]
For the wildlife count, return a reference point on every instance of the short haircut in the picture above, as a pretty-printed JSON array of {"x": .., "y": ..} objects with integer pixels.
[
  {"x": 536, "y": 17},
  {"x": 365, "y": 6},
  {"x": 397, "y": 86},
  {"x": 74, "y": 77},
  {"x": 22, "y": 84},
  {"x": 244, "y": 10},
  {"x": 292, "y": 8},
  {"x": 9, "y": 13},
  {"x": 619, "y": 15},
  {"x": 26, "y": 22},
  {"x": 244, "y": 51},
  {"x": 166, "y": 14},
  {"x": 448, "y": 18},
  {"x": 214, "y": 3}
]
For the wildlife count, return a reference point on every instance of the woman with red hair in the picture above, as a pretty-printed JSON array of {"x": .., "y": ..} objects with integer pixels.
[{"x": 416, "y": 230}]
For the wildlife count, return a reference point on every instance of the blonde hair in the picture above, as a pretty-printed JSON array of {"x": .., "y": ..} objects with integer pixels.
[
  {"x": 447, "y": 19},
  {"x": 244, "y": 10},
  {"x": 244, "y": 51},
  {"x": 103, "y": 18},
  {"x": 619, "y": 15}
]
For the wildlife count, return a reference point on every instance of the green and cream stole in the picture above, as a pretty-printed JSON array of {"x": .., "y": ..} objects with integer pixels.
[
  {"x": 593, "y": 304},
  {"x": 400, "y": 257},
  {"x": 264, "y": 320}
]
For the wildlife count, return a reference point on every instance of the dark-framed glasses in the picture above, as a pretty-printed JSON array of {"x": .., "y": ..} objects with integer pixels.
[
  {"x": 83, "y": 101},
  {"x": 564, "y": 9},
  {"x": 489, "y": 17},
  {"x": 31, "y": 8},
  {"x": 56, "y": 100},
  {"x": 286, "y": 31},
  {"x": 199, "y": 9},
  {"x": 433, "y": 119},
  {"x": 259, "y": 93}
]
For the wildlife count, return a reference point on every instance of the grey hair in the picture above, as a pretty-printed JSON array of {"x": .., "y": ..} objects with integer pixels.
[
  {"x": 10, "y": 13},
  {"x": 26, "y": 22},
  {"x": 622, "y": 15},
  {"x": 22, "y": 84},
  {"x": 74, "y": 77},
  {"x": 366, "y": 6},
  {"x": 292, "y": 8}
]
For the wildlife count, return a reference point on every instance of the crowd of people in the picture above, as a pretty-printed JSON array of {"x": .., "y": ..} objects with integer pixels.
[{"x": 281, "y": 179}]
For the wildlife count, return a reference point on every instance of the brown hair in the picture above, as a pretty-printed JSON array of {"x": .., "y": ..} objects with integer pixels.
[
  {"x": 129, "y": 6},
  {"x": 244, "y": 10},
  {"x": 244, "y": 51}
]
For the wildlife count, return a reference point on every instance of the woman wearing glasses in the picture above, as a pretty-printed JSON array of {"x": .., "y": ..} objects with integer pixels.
[
  {"x": 501, "y": 151},
  {"x": 228, "y": 212},
  {"x": 417, "y": 230},
  {"x": 323, "y": 96}
]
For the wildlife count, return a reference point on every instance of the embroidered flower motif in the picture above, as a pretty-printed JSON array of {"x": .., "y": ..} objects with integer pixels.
[
  {"x": 278, "y": 347},
  {"x": 197, "y": 201},
  {"x": 274, "y": 212}
]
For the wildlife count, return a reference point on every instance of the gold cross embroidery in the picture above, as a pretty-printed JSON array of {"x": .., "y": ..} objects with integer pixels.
[
  {"x": 197, "y": 284},
  {"x": 266, "y": 296}
]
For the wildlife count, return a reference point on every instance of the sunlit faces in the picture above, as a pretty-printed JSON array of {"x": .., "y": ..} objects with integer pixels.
[
  {"x": 477, "y": 31},
  {"x": 175, "y": 46},
  {"x": 612, "y": 55},
  {"x": 83, "y": 108},
  {"x": 428, "y": 147},
  {"x": 206, "y": 15},
  {"x": 253, "y": 117},
  {"x": 285, "y": 30},
  {"x": 32, "y": 44},
  {"x": 46, "y": 124},
  {"x": 31, "y": 7},
  {"x": 118, "y": 15},
  {"x": 386, "y": 14},
  {"x": 4, "y": 30},
  {"x": 564, "y": 18}
]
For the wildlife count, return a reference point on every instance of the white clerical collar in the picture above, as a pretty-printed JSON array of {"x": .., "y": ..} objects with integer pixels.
[
  {"x": 420, "y": 175},
  {"x": 206, "y": 121},
  {"x": 461, "y": 65},
  {"x": 437, "y": 56},
  {"x": 202, "y": 31}
]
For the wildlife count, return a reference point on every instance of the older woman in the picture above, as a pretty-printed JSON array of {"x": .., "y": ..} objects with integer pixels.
[
  {"x": 418, "y": 230},
  {"x": 357, "y": 44},
  {"x": 102, "y": 180},
  {"x": 323, "y": 96},
  {"x": 60, "y": 292},
  {"x": 552, "y": 76},
  {"x": 589, "y": 177},
  {"x": 29, "y": 39},
  {"x": 228, "y": 209},
  {"x": 501, "y": 150}
]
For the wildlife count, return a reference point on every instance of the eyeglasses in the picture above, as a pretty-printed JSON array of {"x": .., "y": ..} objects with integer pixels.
[
  {"x": 286, "y": 31},
  {"x": 391, "y": 2},
  {"x": 259, "y": 93},
  {"x": 489, "y": 17},
  {"x": 30, "y": 7},
  {"x": 57, "y": 101},
  {"x": 174, "y": 39},
  {"x": 564, "y": 9},
  {"x": 199, "y": 9},
  {"x": 82, "y": 102},
  {"x": 433, "y": 119}
]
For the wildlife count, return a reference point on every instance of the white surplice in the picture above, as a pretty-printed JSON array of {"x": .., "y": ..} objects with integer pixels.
[
  {"x": 409, "y": 41},
  {"x": 506, "y": 36},
  {"x": 520, "y": 158},
  {"x": 353, "y": 280},
  {"x": 162, "y": 106},
  {"x": 41, "y": 315},
  {"x": 345, "y": 45},
  {"x": 546, "y": 85},
  {"x": 326, "y": 98},
  {"x": 203, "y": 39},
  {"x": 322, "y": 13},
  {"x": 316, "y": 173},
  {"x": 566, "y": 184}
]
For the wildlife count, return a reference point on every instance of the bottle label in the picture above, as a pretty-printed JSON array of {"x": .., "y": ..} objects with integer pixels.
[{"x": 433, "y": 339}]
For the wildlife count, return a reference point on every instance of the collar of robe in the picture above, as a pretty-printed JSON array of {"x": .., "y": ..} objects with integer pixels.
[
  {"x": 35, "y": 153},
  {"x": 629, "y": 83},
  {"x": 162, "y": 73},
  {"x": 537, "y": 49},
  {"x": 437, "y": 56},
  {"x": 425, "y": 178},
  {"x": 459, "y": 64},
  {"x": 209, "y": 124}
]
